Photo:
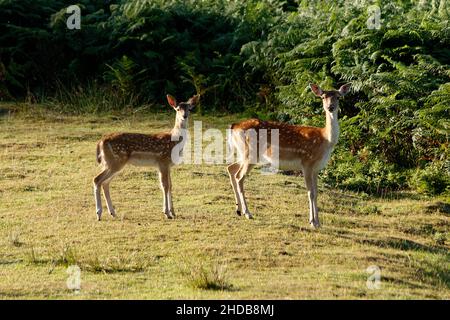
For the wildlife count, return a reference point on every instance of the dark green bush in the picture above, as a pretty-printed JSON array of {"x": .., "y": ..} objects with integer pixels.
[
  {"x": 171, "y": 46},
  {"x": 433, "y": 179},
  {"x": 364, "y": 172}
]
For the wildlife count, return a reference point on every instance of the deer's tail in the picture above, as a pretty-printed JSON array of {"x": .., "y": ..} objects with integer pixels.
[
  {"x": 236, "y": 141},
  {"x": 98, "y": 154},
  {"x": 230, "y": 138}
]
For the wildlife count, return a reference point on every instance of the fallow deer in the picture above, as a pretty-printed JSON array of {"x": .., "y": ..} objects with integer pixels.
[
  {"x": 116, "y": 150},
  {"x": 300, "y": 148}
]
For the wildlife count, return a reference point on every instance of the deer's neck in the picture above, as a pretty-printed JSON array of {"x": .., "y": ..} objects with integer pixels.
[
  {"x": 332, "y": 128},
  {"x": 178, "y": 128}
]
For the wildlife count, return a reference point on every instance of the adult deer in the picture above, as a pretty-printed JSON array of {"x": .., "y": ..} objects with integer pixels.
[
  {"x": 116, "y": 150},
  {"x": 300, "y": 148}
]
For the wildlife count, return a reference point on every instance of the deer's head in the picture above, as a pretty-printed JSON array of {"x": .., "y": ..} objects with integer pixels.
[
  {"x": 183, "y": 109},
  {"x": 330, "y": 98}
]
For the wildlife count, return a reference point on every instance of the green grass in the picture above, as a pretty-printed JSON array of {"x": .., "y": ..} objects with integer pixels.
[{"x": 48, "y": 222}]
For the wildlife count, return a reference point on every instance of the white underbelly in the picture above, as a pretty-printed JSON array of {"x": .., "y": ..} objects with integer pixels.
[
  {"x": 323, "y": 162},
  {"x": 284, "y": 164},
  {"x": 144, "y": 159}
]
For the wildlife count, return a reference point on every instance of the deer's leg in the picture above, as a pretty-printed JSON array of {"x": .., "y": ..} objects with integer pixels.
[
  {"x": 311, "y": 186},
  {"x": 240, "y": 177},
  {"x": 232, "y": 171},
  {"x": 98, "y": 182},
  {"x": 107, "y": 195},
  {"x": 164, "y": 179},
  {"x": 316, "y": 210},
  {"x": 169, "y": 197}
]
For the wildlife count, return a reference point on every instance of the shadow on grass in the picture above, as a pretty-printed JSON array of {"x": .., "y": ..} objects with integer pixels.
[
  {"x": 397, "y": 195},
  {"x": 403, "y": 244},
  {"x": 439, "y": 206},
  {"x": 387, "y": 242},
  {"x": 435, "y": 272},
  {"x": 4, "y": 112},
  {"x": 431, "y": 269},
  {"x": 8, "y": 262},
  {"x": 382, "y": 195},
  {"x": 12, "y": 295},
  {"x": 401, "y": 282}
]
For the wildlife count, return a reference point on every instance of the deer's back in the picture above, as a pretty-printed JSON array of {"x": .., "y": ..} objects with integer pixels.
[
  {"x": 296, "y": 143},
  {"x": 138, "y": 148},
  {"x": 289, "y": 135}
]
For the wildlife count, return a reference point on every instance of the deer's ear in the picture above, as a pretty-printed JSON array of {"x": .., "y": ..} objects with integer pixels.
[
  {"x": 172, "y": 101},
  {"x": 316, "y": 89},
  {"x": 194, "y": 100},
  {"x": 344, "y": 89}
]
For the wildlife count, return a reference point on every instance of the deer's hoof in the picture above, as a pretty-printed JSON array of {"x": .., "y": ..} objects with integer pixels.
[
  {"x": 168, "y": 216},
  {"x": 99, "y": 215},
  {"x": 238, "y": 212},
  {"x": 314, "y": 224},
  {"x": 248, "y": 215}
]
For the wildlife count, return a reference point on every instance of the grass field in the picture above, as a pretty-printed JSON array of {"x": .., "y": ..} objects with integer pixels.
[{"x": 48, "y": 222}]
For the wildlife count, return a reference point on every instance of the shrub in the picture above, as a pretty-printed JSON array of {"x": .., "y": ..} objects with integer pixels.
[
  {"x": 433, "y": 179},
  {"x": 363, "y": 172}
]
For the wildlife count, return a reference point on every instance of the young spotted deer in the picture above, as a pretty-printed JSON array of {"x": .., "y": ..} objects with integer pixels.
[
  {"x": 301, "y": 148},
  {"x": 116, "y": 150}
]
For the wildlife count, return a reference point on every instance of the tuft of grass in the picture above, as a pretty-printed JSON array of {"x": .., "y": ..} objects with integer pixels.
[
  {"x": 14, "y": 239},
  {"x": 371, "y": 209},
  {"x": 65, "y": 256},
  {"x": 440, "y": 238},
  {"x": 208, "y": 277},
  {"x": 115, "y": 264},
  {"x": 32, "y": 258}
]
